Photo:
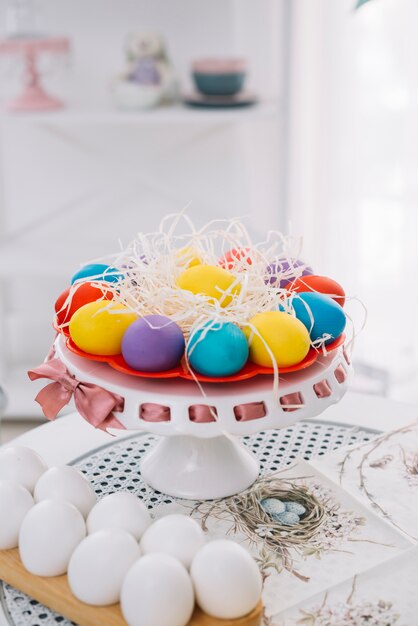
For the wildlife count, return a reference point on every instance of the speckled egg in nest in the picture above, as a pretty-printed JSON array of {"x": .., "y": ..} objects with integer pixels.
[{"x": 249, "y": 512}]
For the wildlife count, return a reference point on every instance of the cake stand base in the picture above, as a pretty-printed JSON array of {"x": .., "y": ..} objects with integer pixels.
[
  {"x": 199, "y": 456},
  {"x": 203, "y": 469},
  {"x": 34, "y": 98}
]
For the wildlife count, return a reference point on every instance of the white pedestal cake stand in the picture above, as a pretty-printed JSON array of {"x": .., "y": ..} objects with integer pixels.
[{"x": 203, "y": 460}]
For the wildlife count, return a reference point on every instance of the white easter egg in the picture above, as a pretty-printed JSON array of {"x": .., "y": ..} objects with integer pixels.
[
  {"x": 177, "y": 535},
  {"x": 99, "y": 564},
  {"x": 120, "y": 510},
  {"x": 66, "y": 484},
  {"x": 15, "y": 502},
  {"x": 23, "y": 465},
  {"x": 226, "y": 579},
  {"x": 48, "y": 536},
  {"x": 157, "y": 591}
]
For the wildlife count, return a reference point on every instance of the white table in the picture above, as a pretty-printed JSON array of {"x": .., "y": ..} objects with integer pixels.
[{"x": 69, "y": 437}]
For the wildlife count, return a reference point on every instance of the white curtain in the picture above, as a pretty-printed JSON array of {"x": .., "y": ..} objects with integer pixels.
[{"x": 353, "y": 184}]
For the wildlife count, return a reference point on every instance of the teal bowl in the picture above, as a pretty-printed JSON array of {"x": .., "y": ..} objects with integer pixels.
[{"x": 222, "y": 84}]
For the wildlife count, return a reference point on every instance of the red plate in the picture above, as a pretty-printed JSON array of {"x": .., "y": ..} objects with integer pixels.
[{"x": 248, "y": 371}]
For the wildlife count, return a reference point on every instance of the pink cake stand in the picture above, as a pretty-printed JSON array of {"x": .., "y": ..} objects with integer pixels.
[{"x": 34, "y": 97}]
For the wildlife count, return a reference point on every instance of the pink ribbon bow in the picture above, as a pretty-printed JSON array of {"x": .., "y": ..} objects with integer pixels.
[{"x": 93, "y": 403}]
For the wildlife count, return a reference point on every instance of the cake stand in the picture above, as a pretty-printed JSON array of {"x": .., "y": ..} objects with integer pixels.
[
  {"x": 34, "y": 97},
  {"x": 199, "y": 455}
]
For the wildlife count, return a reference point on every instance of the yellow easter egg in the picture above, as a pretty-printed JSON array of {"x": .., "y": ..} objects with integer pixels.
[
  {"x": 188, "y": 257},
  {"x": 98, "y": 327},
  {"x": 287, "y": 338},
  {"x": 210, "y": 280}
]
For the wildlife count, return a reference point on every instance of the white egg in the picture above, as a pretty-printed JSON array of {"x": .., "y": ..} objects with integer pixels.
[
  {"x": 120, "y": 510},
  {"x": 15, "y": 502},
  {"x": 157, "y": 591},
  {"x": 23, "y": 465},
  {"x": 177, "y": 535},
  {"x": 99, "y": 564},
  {"x": 67, "y": 484},
  {"x": 48, "y": 536},
  {"x": 226, "y": 579}
]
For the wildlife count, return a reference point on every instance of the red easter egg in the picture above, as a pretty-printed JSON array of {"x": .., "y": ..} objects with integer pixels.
[
  {"x": 321, "y": 284},
  {"x": 230, "y": 258},
  {"x": 81, "y": 294}
]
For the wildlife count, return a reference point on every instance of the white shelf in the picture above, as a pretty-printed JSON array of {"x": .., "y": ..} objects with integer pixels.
[{"x": 176, "y": 114}]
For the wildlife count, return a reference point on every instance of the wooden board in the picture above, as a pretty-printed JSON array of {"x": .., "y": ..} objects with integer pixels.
[{"x": 55, "y": 593}]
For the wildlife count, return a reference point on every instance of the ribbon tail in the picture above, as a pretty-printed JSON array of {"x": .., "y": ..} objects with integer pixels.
[
  {"x": 52, "y": 399},
  {"x": 111, "y": 421},
  {"x": 96, "y": 406}
]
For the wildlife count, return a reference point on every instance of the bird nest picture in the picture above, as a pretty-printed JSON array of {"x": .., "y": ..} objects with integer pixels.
[
  {"x": 286, "y": 520},
  {"x": 280, "y": 515}
]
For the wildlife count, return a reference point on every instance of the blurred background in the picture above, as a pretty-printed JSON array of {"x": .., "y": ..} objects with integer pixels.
[{"x": 109, "y": 122}]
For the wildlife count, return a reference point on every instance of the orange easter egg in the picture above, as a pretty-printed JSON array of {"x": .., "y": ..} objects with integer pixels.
[
  {"x": 320, "y": 284},
  {"x": 77, "y": 296},
  {"x": 234, "y": 256}
]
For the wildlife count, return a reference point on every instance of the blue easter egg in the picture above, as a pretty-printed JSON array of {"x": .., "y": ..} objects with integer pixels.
[
  {"x": 328, "y": 316},
  {"x": 273, "y": 506},
  {"x": 217, "y": 349},
  {"x": 295, "y": 507},
  {"x": 99, "y": 272},
  {"x": 287, "y": 518}
]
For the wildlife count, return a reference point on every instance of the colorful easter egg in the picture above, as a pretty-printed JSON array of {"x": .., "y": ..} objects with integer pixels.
[
  {"x": 98, "y": 272},
  {"x": 282, "y": 271},
  {"x": 188, "y": 257},
  {"x": 211, "y": 281},
  {"x": 153, "y": 343},
  {"x": 218, "y": 349},
  {"x": 285, "y": 335},
  {"x": 78, "y": 296},
  {"x": 320, "y": 314},
  {"x": 236, "y": 257},
  {"x": 98, "y": 327},
  {"x": 321, "y": 284}
]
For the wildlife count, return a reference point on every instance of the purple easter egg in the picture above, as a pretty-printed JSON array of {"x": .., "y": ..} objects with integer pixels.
[
  {"x": 288, "y": 267},
  {"x": 153, "y": 343},
  {"x": 133, "y": 268}
]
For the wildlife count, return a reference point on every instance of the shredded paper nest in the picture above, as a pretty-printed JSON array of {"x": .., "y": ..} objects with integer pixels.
[
  {"x": 152, "y": 263},
  {"x": 149, "y": 267}
]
